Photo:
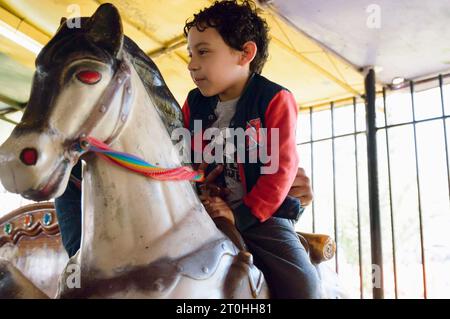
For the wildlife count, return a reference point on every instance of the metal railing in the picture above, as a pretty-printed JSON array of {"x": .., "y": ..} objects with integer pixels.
[{"x": 362, "y": 218}]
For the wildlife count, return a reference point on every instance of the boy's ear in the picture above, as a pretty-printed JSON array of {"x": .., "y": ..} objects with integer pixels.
[{"x": 248, "y": 52}]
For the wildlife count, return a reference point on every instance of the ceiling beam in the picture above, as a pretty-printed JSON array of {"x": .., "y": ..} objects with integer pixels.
[
  {"x": 21, "y": 25},
  {"x": 4, "y": 118},
  {"x": 18, "y": 106},
  {"x": 315, "y": 66},
  {"x": 150, "y": 36},
  {"x": 169, "y": 47}
]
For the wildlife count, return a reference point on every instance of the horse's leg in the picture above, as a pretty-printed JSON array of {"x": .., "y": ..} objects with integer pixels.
[{"x": 14, "y": 285}]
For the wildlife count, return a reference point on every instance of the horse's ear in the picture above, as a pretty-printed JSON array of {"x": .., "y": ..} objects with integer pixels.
[
  {"x": 63, "y": 20},
  {"x": 106, "y": 28}
]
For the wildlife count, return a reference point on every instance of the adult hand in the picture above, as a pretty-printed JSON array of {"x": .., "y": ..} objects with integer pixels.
[{"x": 301, "y": 188}]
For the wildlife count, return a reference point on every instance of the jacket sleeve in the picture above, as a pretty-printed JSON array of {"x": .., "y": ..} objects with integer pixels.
[
  {"x": 270, "y": 190},
  {"x": 186, "y": 114}
]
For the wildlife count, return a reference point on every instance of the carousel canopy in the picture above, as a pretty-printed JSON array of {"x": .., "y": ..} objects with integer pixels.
[{"x": 319, "y": 49}]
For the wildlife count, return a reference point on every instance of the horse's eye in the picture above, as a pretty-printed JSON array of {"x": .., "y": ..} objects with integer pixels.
[{"x": 89, "y": 77}]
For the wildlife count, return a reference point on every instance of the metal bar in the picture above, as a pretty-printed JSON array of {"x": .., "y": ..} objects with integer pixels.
[
  {"x": 415, "y": 122},
  {"x": 7, "y": 111},
  {"x": 323, "y": 104},
  {"x": 312, "y": 168},
  {"x": 12, "y": 103},
  {"x": 23, "y": 25},
  {"x": 405, "y": 84},
  {"x": 361, "y": 273},
  {"x": 330, "y": 138},
  {"x": 445, "y": 131},
  {"x": 422, "y": 248},
  {"x": 4, "y": 118},
  {"x": 394, "y": 254},
  {"x": 438, "y": 118},
  {"x": 171, "y": 46},
  {"x": 372, "y": 164},
  {"x": 333, "y": 152},
  {"x": 358, "y": 211}
]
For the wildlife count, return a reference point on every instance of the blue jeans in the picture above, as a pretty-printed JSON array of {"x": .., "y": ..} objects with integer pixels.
[
  {"x": 68, "y": 212},
  {"x": 278, "y": 252}
]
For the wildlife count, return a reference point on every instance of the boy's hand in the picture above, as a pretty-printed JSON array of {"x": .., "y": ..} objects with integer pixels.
[
  {"x": 301, "y": 188},
  {"x": 216, "y": 207},
  {"x": 209, "y": 187}
]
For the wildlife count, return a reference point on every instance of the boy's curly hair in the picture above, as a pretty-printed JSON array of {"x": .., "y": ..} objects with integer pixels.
[{"x": 237, "y": 24}]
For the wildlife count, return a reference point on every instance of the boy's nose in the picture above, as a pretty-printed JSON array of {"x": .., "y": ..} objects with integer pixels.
[{"x": 192, "y": 66}]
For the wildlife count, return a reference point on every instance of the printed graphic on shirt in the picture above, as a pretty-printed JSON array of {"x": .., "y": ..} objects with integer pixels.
[{"x": 225, "y": 112}]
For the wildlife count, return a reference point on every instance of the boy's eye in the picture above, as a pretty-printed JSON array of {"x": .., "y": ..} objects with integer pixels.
[
  {"x": 89, "y": 77},
  {"x": 202, "y": 52}
]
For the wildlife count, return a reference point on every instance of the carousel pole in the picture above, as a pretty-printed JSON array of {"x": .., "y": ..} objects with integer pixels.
[{"x": 374, "y": 203}]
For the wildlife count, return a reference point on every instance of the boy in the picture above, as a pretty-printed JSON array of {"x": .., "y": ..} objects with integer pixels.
[{"x": 228, "y": 46}]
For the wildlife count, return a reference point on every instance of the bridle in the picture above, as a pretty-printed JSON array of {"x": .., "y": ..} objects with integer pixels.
[
  {"x": 83, "y": 143},
  {"x": 121, "y": 82}
]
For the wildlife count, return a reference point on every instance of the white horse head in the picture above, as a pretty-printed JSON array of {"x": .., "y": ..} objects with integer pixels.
[{"x": 72, "y": 73}]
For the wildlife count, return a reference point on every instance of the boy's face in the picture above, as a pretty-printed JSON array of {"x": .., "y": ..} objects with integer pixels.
[{"x": 214, "y": 66}]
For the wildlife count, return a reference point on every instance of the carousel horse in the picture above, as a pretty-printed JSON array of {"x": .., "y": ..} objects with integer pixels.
[{"x": 141, "y": 237}]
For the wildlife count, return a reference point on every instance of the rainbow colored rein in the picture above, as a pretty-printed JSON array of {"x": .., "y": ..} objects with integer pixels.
[{"x": 138, "y": 165}]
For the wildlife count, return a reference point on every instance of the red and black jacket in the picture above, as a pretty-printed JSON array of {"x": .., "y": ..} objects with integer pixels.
[{"x": 262, "y": 104}]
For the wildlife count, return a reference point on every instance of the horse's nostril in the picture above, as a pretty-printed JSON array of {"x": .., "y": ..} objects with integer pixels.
[{"x": 29, "y": 156}]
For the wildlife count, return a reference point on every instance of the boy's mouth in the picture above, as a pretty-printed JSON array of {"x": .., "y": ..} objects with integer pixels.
[{"x": 199, "y": 80}]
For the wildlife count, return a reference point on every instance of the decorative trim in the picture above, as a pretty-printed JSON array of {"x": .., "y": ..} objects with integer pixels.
[
  {"x": 8, "y": 228},
  {"x": 29, "y": 221},
  {"x": 47, "y": 218}
]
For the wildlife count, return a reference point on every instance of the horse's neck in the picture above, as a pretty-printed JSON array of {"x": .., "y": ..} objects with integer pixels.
[{"x": 125, "y": 214}]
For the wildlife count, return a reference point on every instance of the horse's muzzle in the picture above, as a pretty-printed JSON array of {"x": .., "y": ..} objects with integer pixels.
[{"x": 33, "y": 165}]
